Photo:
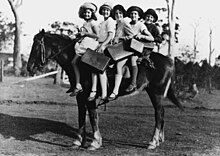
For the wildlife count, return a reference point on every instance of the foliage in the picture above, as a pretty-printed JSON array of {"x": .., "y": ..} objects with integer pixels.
[
  {"x": 6, "y": 30},
  {"x": 190, "y": 73},
  {"x": 187, "y": 54},
  {"x": 64, "y": 28}
]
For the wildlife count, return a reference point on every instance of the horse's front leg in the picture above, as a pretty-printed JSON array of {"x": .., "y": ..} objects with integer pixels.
[
  {"x": 81, "y": 136},
  {"x": 158, "y": 135},
  {"x": 94, "y": 120}
]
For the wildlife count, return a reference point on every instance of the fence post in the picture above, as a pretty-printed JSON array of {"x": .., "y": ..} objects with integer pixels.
[
  {"x": 1, "y": 70},
  {"x": 57, "y": 79}
]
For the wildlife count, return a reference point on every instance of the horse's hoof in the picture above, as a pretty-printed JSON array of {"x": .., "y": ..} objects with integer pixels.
[
  {"x": 92, "y": 148},
  {"x": 77, "y": 143},
  {"x": 96, "y": 144},
  {"x": 75, "y": 146},
  {"x": 152, "y": 145}
]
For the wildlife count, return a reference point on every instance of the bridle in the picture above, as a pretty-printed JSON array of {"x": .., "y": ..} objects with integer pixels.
[
  {"x": 43, "y": 57},
  {"x": 42, "y": 50}
]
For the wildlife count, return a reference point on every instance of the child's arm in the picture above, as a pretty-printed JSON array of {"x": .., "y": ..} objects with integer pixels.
[
  {"x": 129, "y": 34},
  {"x": 157, "y": 37},
  {"x": 145, "y": 34},
  {"x": 102, "y": 46},
  {"x": 94, "y": 34}
]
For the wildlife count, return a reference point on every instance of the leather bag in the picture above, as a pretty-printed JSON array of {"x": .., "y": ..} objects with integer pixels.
[
  {"x": 138, "y": 46},
  {"x": 94, "y": 59},
  {"x": 119, "y": 51}
]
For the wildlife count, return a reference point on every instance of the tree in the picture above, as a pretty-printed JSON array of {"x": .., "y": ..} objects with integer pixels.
[
  {"x": 187, "y": 54},
  {"x": 171, "y": 27},
  {"x": 171, "y": 23},
  {"x": 15, "y": 4},
  {"x": 6, "y": 31},
  {"x": 195, "y": 38},
  {"x": 65, "y": 28},
  {"x": 211, "y": 51}
]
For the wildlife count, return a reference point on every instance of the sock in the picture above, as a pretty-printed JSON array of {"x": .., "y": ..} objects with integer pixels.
[
  {"x": 118, "y": 79},
  {"x": 134, "y": 71},
  {"x": 103, "y": 82}
]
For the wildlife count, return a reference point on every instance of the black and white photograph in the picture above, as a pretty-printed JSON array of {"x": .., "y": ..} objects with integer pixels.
[{"x": 109, "y": 78}]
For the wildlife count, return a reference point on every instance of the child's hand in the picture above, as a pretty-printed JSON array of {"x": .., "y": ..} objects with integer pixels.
[
  {"x": 115, "y": 41},
  {"x": 139, "y": 36},
  {"x": 101, "y": 49},
  {"x": 83, "y": 34}
]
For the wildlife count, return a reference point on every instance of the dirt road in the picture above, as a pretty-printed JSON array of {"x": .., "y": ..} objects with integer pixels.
[{"x": 38, "y": 118}]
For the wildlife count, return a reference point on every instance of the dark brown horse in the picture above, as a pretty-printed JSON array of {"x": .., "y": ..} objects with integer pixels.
[{"x": 61, "y": 48}]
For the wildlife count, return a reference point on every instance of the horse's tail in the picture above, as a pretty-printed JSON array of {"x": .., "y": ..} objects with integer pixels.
[{"x": 171, "y": 95}]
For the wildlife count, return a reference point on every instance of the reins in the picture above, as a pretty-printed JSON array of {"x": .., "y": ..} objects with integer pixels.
[{"x": 43, "y": 50}]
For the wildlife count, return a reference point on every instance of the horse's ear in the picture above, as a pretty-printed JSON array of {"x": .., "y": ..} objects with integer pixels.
[{"x": 42, "y": 31}]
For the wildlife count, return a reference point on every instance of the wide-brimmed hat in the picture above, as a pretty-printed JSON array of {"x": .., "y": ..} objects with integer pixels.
[
  {"x": 151, "y": 12},
  {"x": 121, "y": 8},
  {"x": 87, "y": 5},
  {"x": 106, "y": 5},
  {"x": 135, "y": 8}
]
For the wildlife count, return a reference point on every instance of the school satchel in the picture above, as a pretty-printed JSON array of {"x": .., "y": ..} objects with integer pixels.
[
  {"x": 97, "y": 60},
  {"x": 138, "y": 46},
  {"x": 119, "y": 51}
]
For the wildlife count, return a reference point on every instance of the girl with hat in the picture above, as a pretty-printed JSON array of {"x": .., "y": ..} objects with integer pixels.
[
  {"x": 141, "y": 33},
  {"x": 106, "y": 33},
  {"x": 123, "y": 32},
  {"x": 89, "y": 39},
  {"x": 150, "y": 17}
]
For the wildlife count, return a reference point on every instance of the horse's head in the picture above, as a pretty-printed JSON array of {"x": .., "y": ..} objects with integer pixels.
[{"x": 37, "y": 55}]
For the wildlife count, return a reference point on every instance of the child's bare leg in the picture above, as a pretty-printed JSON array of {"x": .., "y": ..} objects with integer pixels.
[
  {"x": 134, "y": 72},
  {"x": 103, "y": 82},
  {"x": 94, "y": 87},
  {"x": 118, "y": 78},
  {"x": 78, "y": 86}
]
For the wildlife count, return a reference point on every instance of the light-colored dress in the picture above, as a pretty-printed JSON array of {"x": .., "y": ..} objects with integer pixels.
[
  {"x": 87, "y": 42},
  {"x": 123, "y": 29},
  {"x": 106, "y": 27},
  {"x": 138, "y": 27}
]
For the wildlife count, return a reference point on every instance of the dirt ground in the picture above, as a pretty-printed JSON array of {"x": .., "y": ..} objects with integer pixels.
[{"x": 38, "y": 118}]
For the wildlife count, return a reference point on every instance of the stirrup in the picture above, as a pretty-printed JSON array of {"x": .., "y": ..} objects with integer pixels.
[{"x": 103, "y": 101}]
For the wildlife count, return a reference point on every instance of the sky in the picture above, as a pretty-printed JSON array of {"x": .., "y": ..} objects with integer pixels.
[{"x": 38, "y": 14}]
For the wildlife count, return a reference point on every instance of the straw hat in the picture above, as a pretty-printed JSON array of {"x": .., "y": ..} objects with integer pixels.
[
  {"x": 87, "y": 5},
  {"x": 135, "y": 8},
  {"x": 151, "y": 12},
  {"x": 106, "y": 5}
]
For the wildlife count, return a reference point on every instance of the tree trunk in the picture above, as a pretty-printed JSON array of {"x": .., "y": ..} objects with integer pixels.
[
  {"x": 17, "y": 40},
  {"x": 17, "y": 48},
  {"x": 171, "y": 22},
  {"x": 211, "y": 50}
]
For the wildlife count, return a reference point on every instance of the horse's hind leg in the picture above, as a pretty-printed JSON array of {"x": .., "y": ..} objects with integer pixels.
[
  {"x": 94, "y": 120},
  {"x": 158, "y": 135}
]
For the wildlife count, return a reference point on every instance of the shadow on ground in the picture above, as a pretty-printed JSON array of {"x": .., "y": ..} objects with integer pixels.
[{"x": 24, "y": 128}]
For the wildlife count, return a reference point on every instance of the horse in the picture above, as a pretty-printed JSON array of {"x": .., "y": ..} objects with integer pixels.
[{"x": 157, "y": 82}]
